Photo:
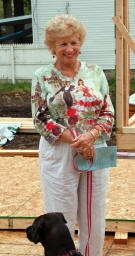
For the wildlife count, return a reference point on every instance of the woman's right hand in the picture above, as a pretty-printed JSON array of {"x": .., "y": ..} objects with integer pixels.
[{"x": 67, "y": 136}]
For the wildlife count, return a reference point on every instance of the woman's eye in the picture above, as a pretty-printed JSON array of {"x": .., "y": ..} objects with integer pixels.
[
  {"x": 74, "y": 43},
  {"x": 63, "y": 44}
]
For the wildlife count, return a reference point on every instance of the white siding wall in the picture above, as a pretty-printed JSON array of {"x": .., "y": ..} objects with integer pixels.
[
  {"x": 97, "y": 18},
  {"x": 96, "y": 15}
]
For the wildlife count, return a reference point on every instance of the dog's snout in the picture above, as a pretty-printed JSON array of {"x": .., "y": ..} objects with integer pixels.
[{"x": 32, "y": 234}]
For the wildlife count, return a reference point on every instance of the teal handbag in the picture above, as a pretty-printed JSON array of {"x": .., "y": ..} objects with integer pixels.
[{"x": 105, "y": 157}]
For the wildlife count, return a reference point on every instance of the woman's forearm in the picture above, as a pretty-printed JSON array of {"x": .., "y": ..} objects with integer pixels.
[
  {"x": 68, "y": 137},
  {"x": 97, "y": 131}
]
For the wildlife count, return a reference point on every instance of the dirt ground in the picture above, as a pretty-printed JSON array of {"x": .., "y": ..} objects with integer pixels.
[
  {"x": 15, "y": 104},
  {"x": 19, "y": 105}
]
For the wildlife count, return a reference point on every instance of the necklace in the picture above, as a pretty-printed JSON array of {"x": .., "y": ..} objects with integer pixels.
[{"x": 70, "y": 72}]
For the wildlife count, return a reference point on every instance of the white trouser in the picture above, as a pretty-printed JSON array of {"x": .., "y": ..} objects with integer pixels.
[{"x": 67, "y": 191}]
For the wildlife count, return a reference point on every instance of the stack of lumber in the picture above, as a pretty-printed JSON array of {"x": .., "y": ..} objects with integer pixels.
[{"x": 27, "y": 125}]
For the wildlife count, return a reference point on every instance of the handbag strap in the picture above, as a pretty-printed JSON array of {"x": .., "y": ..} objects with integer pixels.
[
  {"x": 76, "y": 169},
  {"x": 75, "y": 134}
]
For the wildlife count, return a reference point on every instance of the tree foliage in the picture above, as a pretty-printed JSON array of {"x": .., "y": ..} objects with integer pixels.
[
  {"x": 27, "y": 6},
  {"x": 15, "y": 7}
]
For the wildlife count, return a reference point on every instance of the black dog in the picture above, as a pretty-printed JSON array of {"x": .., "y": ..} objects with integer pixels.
[{"x": 51, "y": 231}]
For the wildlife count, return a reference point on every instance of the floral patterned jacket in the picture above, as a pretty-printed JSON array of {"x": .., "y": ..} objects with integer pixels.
[{"x": 59, "y": 102}]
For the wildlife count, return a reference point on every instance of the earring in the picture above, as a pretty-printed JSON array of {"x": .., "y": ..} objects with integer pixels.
[{"x": 53, "y": 58}]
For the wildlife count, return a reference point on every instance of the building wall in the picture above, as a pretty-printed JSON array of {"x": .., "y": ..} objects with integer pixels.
[{"x": 99, "y": 46}]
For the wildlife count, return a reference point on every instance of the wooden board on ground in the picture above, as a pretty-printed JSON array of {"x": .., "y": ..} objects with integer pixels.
[
  {"x": 35, "y": 153},
  {"x": 15, "y": 243},
  {"x": 27, "y": 153},
  {"x": 121, "y": 238},
  {"x": 21, "y": 223}
]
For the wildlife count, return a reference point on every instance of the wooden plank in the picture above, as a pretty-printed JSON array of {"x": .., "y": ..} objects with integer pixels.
[
  {"x": 125, "y": 141},
  {"x": 27, "y": 125},
  {"x": 120, "y": 226},
  {"x": 14, "y": 119},
  {"x": 124, "y": 32},
  {"x": 24, "y": 222},
  {"x": 27, "y": 153},
  {"x": 25, "y": 129},
  {"x": 131, "y": 121},
  {"x": 126, "y": 64},
  {"x": 4, "y": 223},
  {"x": 128, "y": 129},
  {"x": 121, "y": 238},
  {"x": 15, "y": 223},
  {"x": 34, "y": 153},
  {"x": 119, "y": 68}
]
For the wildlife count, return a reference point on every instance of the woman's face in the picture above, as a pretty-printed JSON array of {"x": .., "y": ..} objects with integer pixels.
[
  {"x": 80, "y": 82},
  {"x": 67, "y": 49}
]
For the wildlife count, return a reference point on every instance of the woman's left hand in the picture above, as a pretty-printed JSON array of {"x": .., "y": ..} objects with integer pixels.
[
  {"x": 85, "y": 140},
  {"x": 88, "y": 154}
]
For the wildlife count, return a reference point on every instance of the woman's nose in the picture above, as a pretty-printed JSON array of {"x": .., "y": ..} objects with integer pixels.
[{"x": 69, "y": 48}]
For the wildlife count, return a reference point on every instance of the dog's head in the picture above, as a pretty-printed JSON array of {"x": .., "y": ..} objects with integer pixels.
[{"x": 43, "y": 225}]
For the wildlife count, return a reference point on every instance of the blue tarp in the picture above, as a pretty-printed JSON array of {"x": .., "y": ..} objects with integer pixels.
[
  {"x": 11, "y": 35},
  {"x": 7, "y": 132},
  {"x": 17, "y": 34}
]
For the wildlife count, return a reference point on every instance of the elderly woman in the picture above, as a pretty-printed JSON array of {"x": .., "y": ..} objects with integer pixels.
[{"x": 66, "y": 95}]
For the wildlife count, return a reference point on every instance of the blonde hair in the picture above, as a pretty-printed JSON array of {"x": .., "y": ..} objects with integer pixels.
[{"x": 61, "y": 26}]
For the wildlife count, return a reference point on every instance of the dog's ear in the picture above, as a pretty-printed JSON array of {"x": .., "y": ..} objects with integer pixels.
[
  {"x": 61, "y": 216},
  {"x": 41, "y": 225}
]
